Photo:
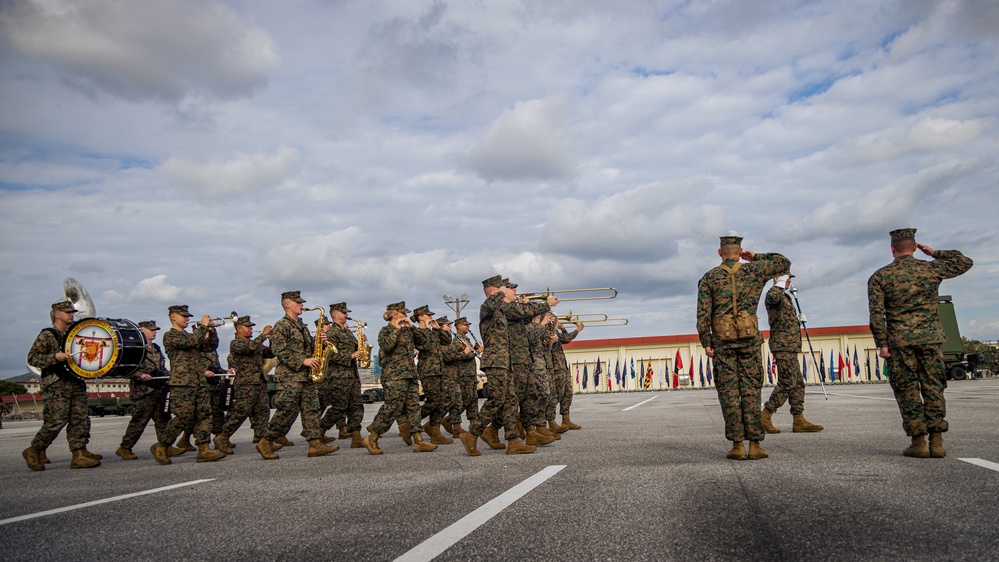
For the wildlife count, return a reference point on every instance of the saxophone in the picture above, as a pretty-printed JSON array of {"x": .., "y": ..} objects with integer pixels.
[
  {"x": 320, "y": 352},
  {"x": 363, "y": 346}
]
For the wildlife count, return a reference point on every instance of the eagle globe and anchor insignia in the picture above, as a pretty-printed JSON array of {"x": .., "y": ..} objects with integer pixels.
[{"x": 104, "y": 346}]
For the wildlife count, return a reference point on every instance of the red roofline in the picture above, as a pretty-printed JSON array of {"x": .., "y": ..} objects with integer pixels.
[{"x": 692, "y": 338}]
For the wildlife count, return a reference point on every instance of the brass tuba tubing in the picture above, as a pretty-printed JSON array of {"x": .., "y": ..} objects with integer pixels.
[{"x": 611, "y": 294}]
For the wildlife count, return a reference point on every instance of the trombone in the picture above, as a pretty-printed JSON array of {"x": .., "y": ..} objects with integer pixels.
[
  {"x": 610, "y": 293},
  {"x": 608, "y": 323},
  {"x": 571, "y": 318}
]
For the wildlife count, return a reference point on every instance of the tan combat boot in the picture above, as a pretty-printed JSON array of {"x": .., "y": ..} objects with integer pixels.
[
  {"x": 801, "y": 425},
  {"x": 159, "y": 451},
  {"x": 756, "y": 452},
  {"x": 517, "y": 447},
  {"x": 566, "y": 422},
  {"x": 521, "y": 432},
  {"x": 406, "y": 433},
  {"x": 556, "y": 428},
  {"x": 327, "y": 438},
  {"x": 469, "y": 441},
  {"x": 172, "y": 451},
  {"x": 434, "y": 431},
  {"x": 44, "y": 457},
  {"x": 82, "y": 461},
  {"x": 738, "y": 452},
  {"x": 936, "y": 445},
  {"x": 456, "y": 429},
  {"x": 266, "y": 449},
  {"x": 766, "y": 418},
  {"x": 91, "y": 456},
  {"x": 206, "y": 454},
  {"x": 317, "y": 448},
  {"x": 420, "y": 446},
  {"x": 371, "y": 442},
  {"x": 918, "y": 448},
  {"x": 126, "y": 454},
  {"x": 543, "y": 430},
  {"x": 33, "y": 458},
  {"x": 184, "y": 443},
  {"x": 222, "y": 444},
  {"x": 446, "y": 424},
  {"x": 535, "y": 438},
  {"x": 343, "y": 433},
  {"x": 355, "y": 440},
  {"x": 284, "y": 441},
  {"x": 491, "y": 436}
]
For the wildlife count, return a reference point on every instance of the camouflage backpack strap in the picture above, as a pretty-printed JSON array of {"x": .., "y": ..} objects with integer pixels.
[{"x": 731, "y": 275}]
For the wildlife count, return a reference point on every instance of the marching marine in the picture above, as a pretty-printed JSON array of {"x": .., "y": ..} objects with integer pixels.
[
  {"x": 246, "y": 359},
  {"x": 147, "y": 395},
  {"x": 343, "y": 377}
]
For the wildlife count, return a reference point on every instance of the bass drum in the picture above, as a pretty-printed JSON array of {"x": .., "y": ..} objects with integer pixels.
[{"x": 104, "y": 347}]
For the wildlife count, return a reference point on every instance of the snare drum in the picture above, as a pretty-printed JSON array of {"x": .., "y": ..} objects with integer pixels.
[{"x": 104, "y": 347}]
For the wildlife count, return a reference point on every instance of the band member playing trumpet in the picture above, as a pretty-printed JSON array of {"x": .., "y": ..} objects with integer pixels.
[
  {"x": 399, "y": 379},
  {"x": 146, "y": 396},
  {"x": 293, "y": 346},
  {"x": 190, "y": 395},
  {"x": 453, "y": 351},
  {"x": 343, "y": 378},
  {"x": 467, "y": 375},
  {"x": 246, "y": 360},
  {"x": 431, "y": 371},
  {"x": 65, "y": 395},
  {"x": 563, "y": 378}
]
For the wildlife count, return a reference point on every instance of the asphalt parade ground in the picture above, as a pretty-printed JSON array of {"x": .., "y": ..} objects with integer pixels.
[{"x": 645, "y": 479}]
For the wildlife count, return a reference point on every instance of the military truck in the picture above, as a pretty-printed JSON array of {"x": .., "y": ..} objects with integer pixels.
[
  {"x": 101, "y": 404},
  {"x": 956, "y": 363}
]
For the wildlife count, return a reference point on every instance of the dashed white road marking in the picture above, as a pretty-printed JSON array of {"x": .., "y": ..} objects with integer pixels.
[
  {"x": 639, "y": 404},
  {"x": 857, "y": 396},
  {"x": 982, "y": 463}
]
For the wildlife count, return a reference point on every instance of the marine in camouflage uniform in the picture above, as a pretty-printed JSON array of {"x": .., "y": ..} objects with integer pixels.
[
  {"x": 65, "y": 395},
  {"x": 785, "y": 343},
  {"x": 430, "y": 368},
  {"x": 246, "y": 359},
  {"x": 190, "y": 394},
  {"x": 532, "y": 412},
  {"x": 399, "y": 380},
  {"x": 450, "y": 351},
  {"x": 293, "y": 346},
  {"x": 903, "y": 297},
  {"x": 461, "y": 354},
  {"x": 563, "y": 378},
  {"x": 495, "y": 315},
  {"x": 738, "y": 362},
  {"x": 146, "y": 394},
  {"x": 343, "y": 378}
]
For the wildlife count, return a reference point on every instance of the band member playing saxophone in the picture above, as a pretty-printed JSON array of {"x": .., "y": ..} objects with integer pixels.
[{"x": 343, "y": 378}]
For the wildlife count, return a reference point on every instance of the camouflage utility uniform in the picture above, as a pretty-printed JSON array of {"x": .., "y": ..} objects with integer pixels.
[
  {"x": 534, "y": 407},
  {"x": 430, "y": 369},
  {"x": 402, "y": 387},
  {"x": 902, "y": 298},
  {"x": 343, "y": 382},
  {"x": 738, "y": 364},
  {"x": 65, "y": 395},
  {"x": 785, "y": 343},
  {"x": 190, "y": 394},
  {"x": 147, "y": 398},
  {"x": 465, "y": 375},
  {"x": 292, "y": 343},
  {"x": 562, "y": 377},
  {"x": 247, "y": 358}
]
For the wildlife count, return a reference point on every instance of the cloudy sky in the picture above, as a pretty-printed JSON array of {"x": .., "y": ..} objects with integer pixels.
[{"x": 218, "y": 153}]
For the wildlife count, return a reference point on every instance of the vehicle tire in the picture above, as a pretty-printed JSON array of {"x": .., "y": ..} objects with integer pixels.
[
  {"x": 91, "y": 411},
  {"x": 127, "y": 411},
  {"x": 958, "y": 373}
]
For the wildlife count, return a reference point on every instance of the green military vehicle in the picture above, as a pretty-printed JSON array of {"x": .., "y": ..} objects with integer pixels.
[
  {"x": 958, "y": 364},
  {"x": 101, "y": 404}
]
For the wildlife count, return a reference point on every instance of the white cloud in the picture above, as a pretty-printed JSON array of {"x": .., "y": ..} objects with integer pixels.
[
  {"x": 156, "y": 289},
  {"x": 240, "y": 174}
]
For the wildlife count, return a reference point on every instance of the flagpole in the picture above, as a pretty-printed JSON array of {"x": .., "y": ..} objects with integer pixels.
[{"x": 794, "y": 293}]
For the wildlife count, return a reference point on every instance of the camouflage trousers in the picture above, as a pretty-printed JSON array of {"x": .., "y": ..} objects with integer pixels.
[
  {"x": 218, "y": 412},
  {"x": 402, "y": 402},
  {"x": 343, "y": 396},
  {"x": 790, "y": 384},
  {"x": 248, "y": 401},
  {"x": 535, "y": 403},
  {"x": 145, "y": 408},
  {"x": 294, "y": 398},
  {"x": 65, "y": 405},
  {"x": 454, "y": 401},
  {"x": 563, "y": 388},
  {"x": 501, "y": 406},
  {"x": 469, "y": 399},
  {"x": 918, "y": 379},
  {"x": 557, "y": 383},
  {"x": 738, "y": 379},
  {"x": 437, "y": 402},
  {"x": 192, "y": 411}
]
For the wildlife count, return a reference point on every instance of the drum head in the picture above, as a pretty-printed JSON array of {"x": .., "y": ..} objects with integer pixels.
[{"x": 98, "y": 346}]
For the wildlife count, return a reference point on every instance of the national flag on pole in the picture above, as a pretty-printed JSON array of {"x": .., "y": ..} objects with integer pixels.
[
  {"x": 641, "y": 371},
  {"x": 586, "y": 375},
  {"x": 887, "y": 374},
  {"x": 773, "y": 366},
  {"x": 617, "y": 372},
  {"x": 632, "y": 367},
  {"x": 700, "y": 369},
  {"x": 770, "y": 375},
  {"x": 690, "y": 374},
  {"x": 877, "y": 368},
  {"x": 709, "y": 371},
  {"x": 867, "y": 366},
  {"x": 856, "y": 363},
  {"x": 822, "y": 366},
  {"x": 648, "y": 375},
  {"x": 597, "y": 371},
  {"x": 832, "y": 368},
  {"x": 842, "y": 366},
  {"x": 577, "y": 373},
  {"x": 677, "y": 366},
  {"x": 609, "y": 387}
]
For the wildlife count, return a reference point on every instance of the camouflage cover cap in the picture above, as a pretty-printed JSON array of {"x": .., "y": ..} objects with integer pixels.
[
  {"x": 341, "y": 306},
  {"x": 64, "y": 306},
  {"x": 180, "y": 309},
  {"x": 494, "y": 281},
  {"x": 726, "y": 240},
  {"x": 421, "y": 310},
  {"x": 149, "y": 325},
  {"x": 397, "y": 307},
  {"x": 292, "y": 295},
  {"x": 463, "y": 320},
  {"x": 507, "y": 283},
  {"x": 244, "y": 321},
  {"x": 903, "y": 234},
  {"x": 443, "y": 320}
]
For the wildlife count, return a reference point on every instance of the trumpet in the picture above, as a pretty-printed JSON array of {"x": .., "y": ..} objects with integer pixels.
[
  {"x": 611, "y": 293},
  {"x": 216, "y": 322}
]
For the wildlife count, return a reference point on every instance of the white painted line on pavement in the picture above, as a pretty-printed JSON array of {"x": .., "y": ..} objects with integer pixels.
[
  {"x": 435, "y": 545},
  {"x": 982, "y": 463},
  {"x": 98, "y": 502},
  {"x": 639, "y": 404},
  {"x": 857, "y": 396}
]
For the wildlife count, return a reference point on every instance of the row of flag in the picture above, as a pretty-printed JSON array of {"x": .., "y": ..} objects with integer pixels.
[{"x": 848, "y": 370}]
